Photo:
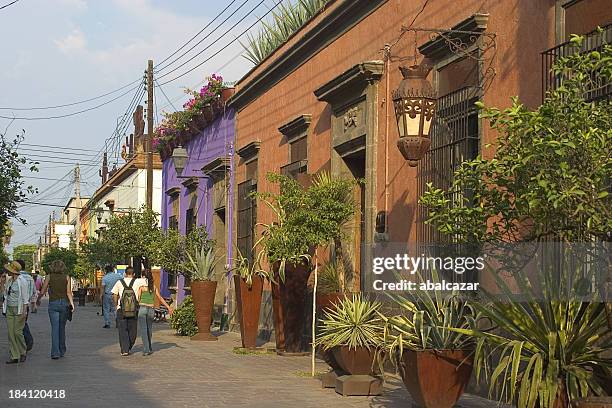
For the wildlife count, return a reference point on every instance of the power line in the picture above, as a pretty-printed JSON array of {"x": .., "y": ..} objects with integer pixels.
[
  {"x": 199, "y": 32},
  {"x": 9, "y": 4},
  {"x": 74, "y": 163},
  {"x": 72, "y": 113},
  {"x": 223, "y": 48},
  {"x": 160, "y": 69},
  {"x": 57, "y": 147}
]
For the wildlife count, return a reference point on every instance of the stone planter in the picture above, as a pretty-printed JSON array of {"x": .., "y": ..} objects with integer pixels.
[
  {"x": 436, "y": 378},
  {"x": 203, "y": 294},
  {"x": 355, "y": 361},
  {"x": 248, "y": 300}
]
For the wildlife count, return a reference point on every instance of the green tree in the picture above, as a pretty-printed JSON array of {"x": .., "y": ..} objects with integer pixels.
[
  {"x": 12, "y": 188},
  {"x": 83, "y": 268},
  {"x": 174, "y": 247},
  {"x": 134, "y": 234},
  {"x": 68, "y": 256},
  {"x": 99, "y": 252},
  {"x": 25, "y": 252}
]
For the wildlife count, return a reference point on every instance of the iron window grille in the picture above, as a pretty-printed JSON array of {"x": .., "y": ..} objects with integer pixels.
[{"x": 294, "y": 169}]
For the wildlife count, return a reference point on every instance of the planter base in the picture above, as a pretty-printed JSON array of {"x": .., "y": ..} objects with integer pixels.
[
  {"x": 204, "y": 337},
  {"x": 358, "y": 385},
  {"x": 328, "y": 380}
]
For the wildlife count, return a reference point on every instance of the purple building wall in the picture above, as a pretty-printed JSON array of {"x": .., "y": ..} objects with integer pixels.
[{"x": 217, "y": 140}]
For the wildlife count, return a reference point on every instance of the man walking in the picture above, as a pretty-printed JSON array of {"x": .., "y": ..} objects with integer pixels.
[
  {"x": 16, "y": 300},
  {"x": 108, "y": 305},
  {"x": 27, "y": 335},
  {"x": 124, "y": 295}
]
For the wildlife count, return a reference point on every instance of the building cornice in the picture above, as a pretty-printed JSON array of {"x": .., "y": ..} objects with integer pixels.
[
  {"x": 296, "y": 127},
  {"x": 339, "y": 20},
  {"x": 250, "y": 150},
  {"x": 217, "y": 168},
  {"x": 438, "y": 47},
  {"x": 355, "y": 78}
]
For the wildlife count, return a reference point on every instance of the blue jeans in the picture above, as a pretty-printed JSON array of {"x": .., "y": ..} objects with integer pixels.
[
  {"x": 58, "y": 314},
  {"x": 145, "y": 325},
  {"x": 108, "y": 309}
]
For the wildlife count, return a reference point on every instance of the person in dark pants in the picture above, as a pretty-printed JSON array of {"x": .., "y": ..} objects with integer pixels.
[
  {"x": 27, "y": 335},
  {"x": 126, "y": 326}
]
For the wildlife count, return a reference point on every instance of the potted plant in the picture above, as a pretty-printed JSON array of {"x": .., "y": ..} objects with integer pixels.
[
  {"x": 435, "y": 360},
  {"x": 353, "y": 331},
  {"x": 201, "y": 269},
  {"x": 330, "y": 288},
  {"x": 248, "y": 281}
]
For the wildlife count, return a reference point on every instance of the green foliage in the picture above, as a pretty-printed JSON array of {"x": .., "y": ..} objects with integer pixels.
[
  {"x": 247, "y": 270},
  {"x": 99, "y": 252},
  {"x": 286, "y": 20},
  {"x": 304, "y": 218},
  {"x": 353, "y": 322},
  {"x": 183, "y": 320},
  {"x": 201, "y": 264},
  {"x": 68, "y": 256},
  {"x": 4, "y": 258},
  {"x": 173, "y": 248},
  {"x": 134, "y": 234},
  {"x": 550, "y": 176},
  {"x": 329, "y": 280},
  {"x": 12, "y": 188},
  {"x": 428, "y": 322},
  {"x": 83, "y": 268},
  {"x": 543, "y": 344},
  {"x": 25, "y": 252}
]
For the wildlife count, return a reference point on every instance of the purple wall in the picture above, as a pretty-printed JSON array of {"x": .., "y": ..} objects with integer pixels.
[{"x": 217, "y": 140}]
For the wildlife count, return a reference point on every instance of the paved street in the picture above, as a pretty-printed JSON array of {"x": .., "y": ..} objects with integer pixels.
[{"x": 180, "y": 373}]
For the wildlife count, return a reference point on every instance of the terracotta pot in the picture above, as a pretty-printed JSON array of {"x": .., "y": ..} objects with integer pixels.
[
  {"x": 203, "y": 294},
  {"x": 326, "y": 301},
  {"x": 593, "y": 402},
  {"x": 248, "y": 300},
  {"x": 355, "y": 361},
  {"x": 436, "y": 378},
  {"x": 289, "y": 307},
  {"x": 227, "y": 93}
]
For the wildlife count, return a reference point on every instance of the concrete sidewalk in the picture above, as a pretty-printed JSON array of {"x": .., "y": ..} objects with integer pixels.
[{"x": 180, "y": 373}]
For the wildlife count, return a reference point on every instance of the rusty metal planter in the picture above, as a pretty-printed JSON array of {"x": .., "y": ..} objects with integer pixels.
[
  {"x": 203, "y": 294},
  {"x": 355, "y": 361},
  {"x": 248, "y": 301}
]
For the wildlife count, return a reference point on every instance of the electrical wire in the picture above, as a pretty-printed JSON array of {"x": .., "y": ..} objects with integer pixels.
[
  {"x": 196, "y": 35},
  {"x": 9, "y": 4},
  {"x": 72, "y": 113},
  {"x": 219, "y": 51},
  {"x": 160, "y": 69},
  {"x": 57, "y": 147}
]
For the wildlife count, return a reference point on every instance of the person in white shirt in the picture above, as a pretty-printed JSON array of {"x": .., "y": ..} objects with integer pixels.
[
  {"x": 16, "y": 300},
  {"x": 126, "y": 326}
]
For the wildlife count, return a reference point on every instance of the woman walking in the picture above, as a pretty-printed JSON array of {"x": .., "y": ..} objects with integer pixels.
[
  {"x": 15, "y": 307},
  {"x": 146, "y": 300},
  {"x": 60, "y": 305}
]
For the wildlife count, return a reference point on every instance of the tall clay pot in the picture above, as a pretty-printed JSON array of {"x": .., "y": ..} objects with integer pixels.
[
  {"x": 248, "y": 300},
  {"x": 436, "y": 378},
  {"x": 203, "y": 294},
  {"x": 289, "y": 307}
]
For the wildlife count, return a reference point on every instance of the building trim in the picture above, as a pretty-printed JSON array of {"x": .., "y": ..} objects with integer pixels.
[
  {"x": 358, "y": 76},
  {"x": 296, "y": 127},
  {"x": 250, "y": 150},
  {"x": 217, "y": 168},
  {"x": 173, "y": 191},
  {"x": 339, "y": 21},
  {"x": 191, "y": 183}
]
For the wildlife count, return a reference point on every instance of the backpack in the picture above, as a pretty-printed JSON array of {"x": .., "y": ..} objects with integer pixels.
[{"x": 129, "y": 304}]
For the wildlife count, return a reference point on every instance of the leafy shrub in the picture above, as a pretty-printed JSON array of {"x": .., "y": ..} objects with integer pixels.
[{"x": 183, "y": 320}]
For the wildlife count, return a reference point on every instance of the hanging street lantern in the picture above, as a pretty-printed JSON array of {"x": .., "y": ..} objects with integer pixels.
[
  {"x": 179, "y": 158},
  {"x": 415, "y": 105}
]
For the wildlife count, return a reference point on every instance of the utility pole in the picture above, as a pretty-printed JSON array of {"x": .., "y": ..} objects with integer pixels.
[
  {"x": 77, "y": 199},
  {"x": 149, "y": 138}
]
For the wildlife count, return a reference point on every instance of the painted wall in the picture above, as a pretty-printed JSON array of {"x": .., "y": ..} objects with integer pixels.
[{"x": 216, "y": 140}]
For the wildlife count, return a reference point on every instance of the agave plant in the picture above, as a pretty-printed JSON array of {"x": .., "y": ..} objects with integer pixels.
[
  {"x": 201, "y": 265},
  {"x": 285, "y": 21},
  {"x": 548, "y": 349},
  {"x": 247, "y": 270},
  {"x": 353, "y": 322},
  {"x": 428, "y": 322}
]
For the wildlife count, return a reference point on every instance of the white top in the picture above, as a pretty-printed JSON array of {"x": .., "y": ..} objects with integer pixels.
[
  {"x": 24, "y": 294},
  {"x": 118, "y": 288}
]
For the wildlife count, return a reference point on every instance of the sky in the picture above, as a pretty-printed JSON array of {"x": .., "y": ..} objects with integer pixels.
[{"x": 61, "y": 51}]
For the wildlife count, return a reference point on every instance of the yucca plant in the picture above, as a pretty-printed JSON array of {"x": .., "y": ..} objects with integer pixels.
[
  {"x": 285, "y": 21},
  {"x": 329, "y": 279},
  {"x": 353, "y": 322},
  {"x": 248, "y": 270},
  {"x": 428, "y": 322},
  {"x": 201, "y": 264},
  {"x": 547, "y": 349}
]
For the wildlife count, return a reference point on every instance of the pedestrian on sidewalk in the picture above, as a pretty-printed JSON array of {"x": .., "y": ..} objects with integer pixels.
[
  {"x": 147, "y": 293},
  {"x": 108, "y": 306},
  {"x": 38, "y": 281},
  {"x": 124, "y": 295},
  {"x": 16, "y": 300},
  {"x": 27, "y": 335},
  {"x": 61, "y": 304}
]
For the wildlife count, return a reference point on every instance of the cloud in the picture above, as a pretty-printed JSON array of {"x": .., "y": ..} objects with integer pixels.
[
  {"x": 75, "y": 41},
  {"x": 74, "y": 4}
]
